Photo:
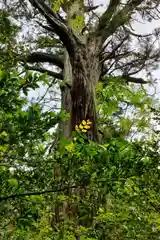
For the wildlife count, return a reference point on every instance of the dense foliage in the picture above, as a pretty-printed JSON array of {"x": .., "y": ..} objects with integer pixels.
[
  {"x": 80, "y": 190},
  {"x": 81, "y": 44}
]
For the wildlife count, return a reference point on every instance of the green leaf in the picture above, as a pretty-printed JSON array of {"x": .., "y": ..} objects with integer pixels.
[
  {"x": 3, "y": 168},
  {"x": 3, "y": 134},
  {"x": 13, "y": 182},
  {"x": 57, "y": 4}
]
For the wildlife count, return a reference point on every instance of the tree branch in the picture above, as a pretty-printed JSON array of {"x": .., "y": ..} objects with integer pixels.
[
  {"x": 44, "y": 70},
  {"x": 127, "y": 79},
  {"x": 106, "y": 16},
  {"x": 112, "y": 54},
  {"x": 90, "y": 8},
  {"x": 45, "y": 57},
  {"x": 59, "y": 27},
  {"x": 134, "y": 79},
  {"x": 56, "y": 189},
  {"x": 128, "y": 31},
  {"x": 49, "y": 29},
  {"x": 107, "y": 25}
]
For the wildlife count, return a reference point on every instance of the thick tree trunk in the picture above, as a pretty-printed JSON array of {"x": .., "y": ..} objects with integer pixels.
[
  {"x": 82, "y": 74},
  {"x": 86, "y": 73},
  {"x": 71, "y": 9}
]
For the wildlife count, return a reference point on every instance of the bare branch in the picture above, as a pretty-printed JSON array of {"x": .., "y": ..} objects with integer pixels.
[
  {"x": 104, "y": 47},
  {"x": 90, "y": 8},
  {"x": 45, "y": 57},
  {"x": 107, "y": 15},
  {"x": 128, "y": 31},
  {"x": 112, "y": 54},
  {"x": 107, "y": 25},
  {"x": 127, "y": 79},
  {"x": 45, "y": 27},
  {"x": 106, "y": 68},
  {"x": 134, "y": 79},
  {"x": 44, "y": 70}
]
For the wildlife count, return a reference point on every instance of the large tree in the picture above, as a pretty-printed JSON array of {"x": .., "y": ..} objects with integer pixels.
[
  {"x": 82, "y": 190},
  {"x": 89, "y": 47}
]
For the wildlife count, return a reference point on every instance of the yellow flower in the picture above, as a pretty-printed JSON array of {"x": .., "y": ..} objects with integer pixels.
[
  {"x": 84, "y": 122},
  {"x": 76, "y": 128},
  {"x": 84, "y": 126},
  {"x": 83, "y": 130},
  {"x": 89, "y": 122},
  {"x": 80, "y": 126},
  {"x": 87, "y": 127},
  {"x": 74, "y": 138}
]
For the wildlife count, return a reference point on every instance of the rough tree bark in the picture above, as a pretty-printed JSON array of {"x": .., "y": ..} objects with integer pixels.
[
  {"x": 81, "y": 73},
  {"x": 86, "y": 73}
]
